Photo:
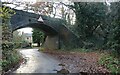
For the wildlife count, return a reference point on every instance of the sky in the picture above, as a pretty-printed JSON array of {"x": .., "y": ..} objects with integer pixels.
[{"x": 25, "y": 30}]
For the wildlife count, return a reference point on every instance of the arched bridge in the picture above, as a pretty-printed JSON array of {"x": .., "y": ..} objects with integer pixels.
[{"x": 57, "y": 34}]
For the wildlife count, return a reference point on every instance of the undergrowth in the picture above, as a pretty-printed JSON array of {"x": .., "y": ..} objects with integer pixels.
[
  {"x": 10, "y": 57},
  {"x": 110, "y": 62}
]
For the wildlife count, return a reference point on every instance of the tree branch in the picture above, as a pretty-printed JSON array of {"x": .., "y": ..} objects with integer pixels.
[{"x": 69, "y": 6}]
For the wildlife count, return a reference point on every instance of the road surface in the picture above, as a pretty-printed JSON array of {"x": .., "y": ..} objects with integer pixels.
[{"x": 37, "y": 62}]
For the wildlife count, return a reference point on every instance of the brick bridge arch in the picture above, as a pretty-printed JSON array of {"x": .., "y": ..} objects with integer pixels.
[
  {"x": 58, "y": 35},
  {"x": 41, "y": 26}
]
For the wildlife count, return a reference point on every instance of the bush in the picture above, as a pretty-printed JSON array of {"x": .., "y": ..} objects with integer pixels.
[
  {"x": 17, "y": 45},
  {"x": 7, "y": 46},
  {"x": 10, "y": 57},
  {"x": 110, "y": 63}
]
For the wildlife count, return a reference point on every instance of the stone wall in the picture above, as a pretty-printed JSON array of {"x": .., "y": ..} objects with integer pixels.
[
  {"x": 69, "y": 39},
  {"x": 51, "y": 42}
]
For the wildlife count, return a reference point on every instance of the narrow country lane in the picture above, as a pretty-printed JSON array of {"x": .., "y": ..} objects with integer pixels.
[{"x": 37, "y": 62}]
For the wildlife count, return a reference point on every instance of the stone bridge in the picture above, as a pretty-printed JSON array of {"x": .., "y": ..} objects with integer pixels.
[{"x": 58, "y": 35}]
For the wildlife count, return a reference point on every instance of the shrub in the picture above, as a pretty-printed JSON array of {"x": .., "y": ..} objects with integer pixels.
[
  {"x": 17, "y": 45},
  {"x": 110, "y": 63},
  {"x": 10, "y": 57}
]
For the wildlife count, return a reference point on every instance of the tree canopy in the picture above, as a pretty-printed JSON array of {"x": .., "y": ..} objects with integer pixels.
[{"x": 38, "y": 36}]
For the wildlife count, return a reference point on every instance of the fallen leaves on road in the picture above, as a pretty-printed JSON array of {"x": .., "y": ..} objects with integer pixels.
[{"x": 77, "y": 62}]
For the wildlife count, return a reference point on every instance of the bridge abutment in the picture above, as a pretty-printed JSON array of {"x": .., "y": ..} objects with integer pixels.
[{"x": 51, "y": 42}]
